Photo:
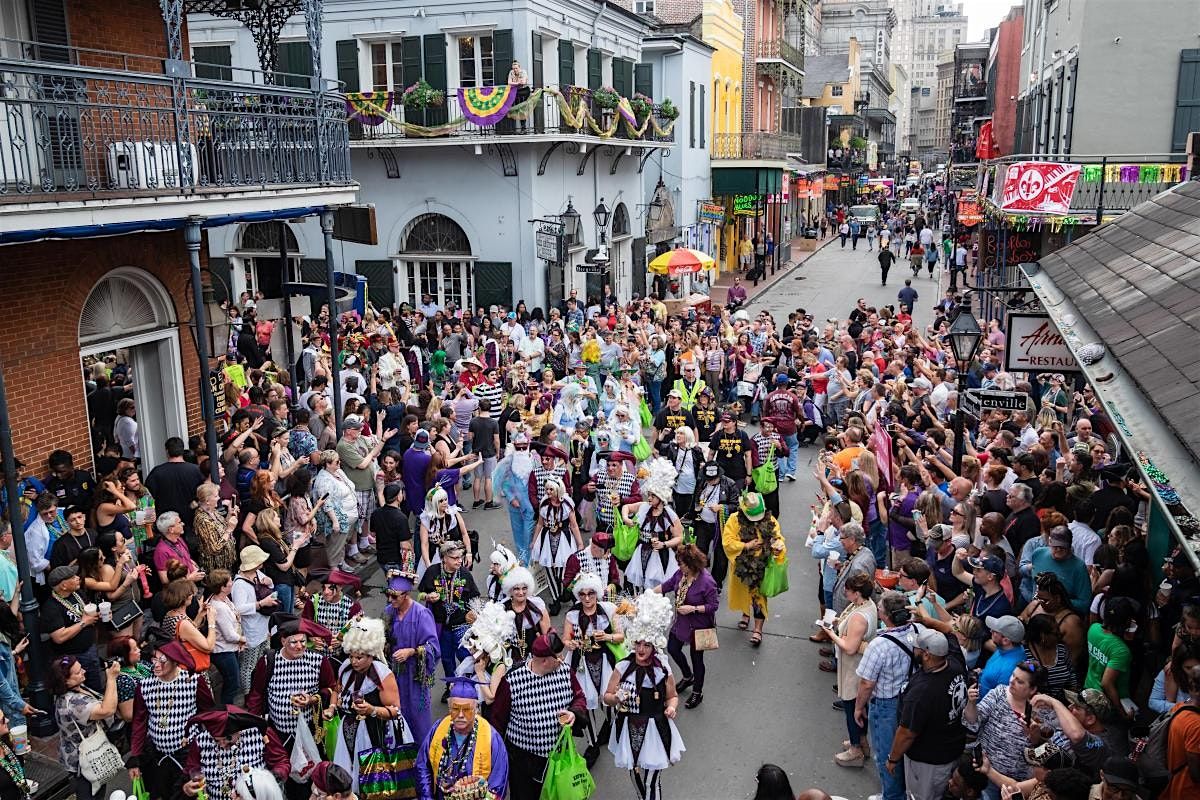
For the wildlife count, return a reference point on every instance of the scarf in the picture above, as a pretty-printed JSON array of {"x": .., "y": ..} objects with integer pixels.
[{"x": 439, "y": 747}]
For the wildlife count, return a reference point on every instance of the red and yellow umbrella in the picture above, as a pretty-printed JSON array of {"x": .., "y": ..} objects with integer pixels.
[{"x": 681, "y": 261}]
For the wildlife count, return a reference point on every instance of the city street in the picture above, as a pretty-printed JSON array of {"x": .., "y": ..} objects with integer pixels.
[{"x": 771, "y": 704}]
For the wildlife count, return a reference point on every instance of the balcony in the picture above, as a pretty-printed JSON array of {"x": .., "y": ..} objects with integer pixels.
[
  {"x": 1107, "y": 185},
  {"x": 385, "y": 120},
  {"x": 98, "y": 126},
  {"x": 754, "y": 146},
  {"x": 780, "y": 51}
]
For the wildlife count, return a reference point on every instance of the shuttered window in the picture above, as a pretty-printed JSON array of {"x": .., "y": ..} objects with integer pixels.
[
  {"x": 212, "y": 62},
  {"x": 293, "y": 64},
  {"x": 623, "y": 77},
  {"x": 566, "y": 63},
  {"x": 643, "y": 79},
  {"x": 595, "y": 76},
  {"x": 347, "y": 64},
  {"x": 1187, "y": 100}
]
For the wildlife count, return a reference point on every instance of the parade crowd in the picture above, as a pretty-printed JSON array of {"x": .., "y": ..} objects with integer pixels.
[{"x": 990, "y": 632}]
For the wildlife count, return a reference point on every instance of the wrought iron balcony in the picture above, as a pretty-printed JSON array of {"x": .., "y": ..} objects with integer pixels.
[
  {"x": 382, "y": 117},
  {"x": 755, "y": 146},
  {"x": 780, "y": 50},
  {"x": 90, "y": 124}
]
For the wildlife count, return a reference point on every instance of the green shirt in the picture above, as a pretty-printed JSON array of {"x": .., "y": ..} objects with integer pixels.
[
  {"x": 351, "y": 453},
  {"x": 1106, "y": 651}
]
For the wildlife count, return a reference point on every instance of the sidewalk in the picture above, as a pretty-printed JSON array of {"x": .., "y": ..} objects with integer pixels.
[{"x": 720, "y": 289}]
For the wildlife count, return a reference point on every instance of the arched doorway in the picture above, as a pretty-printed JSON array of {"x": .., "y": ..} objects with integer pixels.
[
  {"x": 128, "y": 327},
  {"x": 620, "y": 257},
  {"x": 435, "y": 259},
  {"x": 255, "y": 263}
]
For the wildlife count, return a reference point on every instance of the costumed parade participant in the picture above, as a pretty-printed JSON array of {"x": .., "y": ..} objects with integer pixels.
[
  {"x": 555, "y": 536},
  {"x": 224, "y": 745},
  {"x": 291, "y": 686},
  {"x": 368, "y": 707},
  {"x": 447, "y": 590},
  {"x": 412, "y": 644},
  {"x": 716, "y": 498},
  {"x": 440, "y": 522},
  {"x": 330, "y": 782},
  {"x": 645, "y": 740},
  {"x": 533, "y": 703},
  {"x": 487, "y": 642},
  {"x": 659, "y": 529},
  {"x": 499, "y": 563},
  {"x": 162, "y": 705},
  {"x": 463, "y": 757},
  {"x": 511, "y": 482},
  {"x": 552, "y": 464},
  {"x": 596, "y": 558},
  {"x": 751, "y": 538},
  {"x": 592, "y": 632},
  {"x": 333, "y": 605},
  {"x": 696, "y": 597},
  {"x": 531, "y": 616},
  {"x": 614, "y": 488}
]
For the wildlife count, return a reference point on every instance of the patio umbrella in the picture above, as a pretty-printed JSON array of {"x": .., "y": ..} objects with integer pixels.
[{"x": 681, "y": 261}]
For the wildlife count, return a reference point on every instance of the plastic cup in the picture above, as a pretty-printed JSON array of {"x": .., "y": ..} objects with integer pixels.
[
  {"x": 830, "y": 616},
  {"x": 20, "y": 738},
  {"x": 105, "y": 609},
  {"x": 90, "y": 608},
  {"x": 139, "y": 517}
]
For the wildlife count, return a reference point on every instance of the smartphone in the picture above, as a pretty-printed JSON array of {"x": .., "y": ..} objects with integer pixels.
[{"x": 977, "y": 755}]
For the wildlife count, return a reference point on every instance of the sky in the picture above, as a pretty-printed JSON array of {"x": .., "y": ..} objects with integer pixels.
[{"x": 984, "y": 14}]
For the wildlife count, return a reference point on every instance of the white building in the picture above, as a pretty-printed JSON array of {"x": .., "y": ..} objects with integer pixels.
[
  {"x": 924, "y": 30},
  {"x": 456, "y": 193}
]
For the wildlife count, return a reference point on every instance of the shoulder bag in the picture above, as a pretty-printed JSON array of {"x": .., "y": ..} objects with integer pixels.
[{"x": 99, "y": 759}]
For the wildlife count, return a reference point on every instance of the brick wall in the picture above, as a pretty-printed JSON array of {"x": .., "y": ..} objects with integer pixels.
[
  {"x": 42, "y": 291},
  {"x": 128, "y": 26}
]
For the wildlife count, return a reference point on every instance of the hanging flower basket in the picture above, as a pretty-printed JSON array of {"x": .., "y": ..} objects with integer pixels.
[
  {"x": 667, "y": 110},
  {"x": 422, "y": 95},
  {"x": 642, "y": 106},
  {"x": 606, "y": 97}
]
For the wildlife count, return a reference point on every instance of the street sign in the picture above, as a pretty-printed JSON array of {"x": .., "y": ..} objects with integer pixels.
[
  {"x": 546, "y": 244},
  {"x": 590, "y": 269},
  {"x": 978, "y": 400}
]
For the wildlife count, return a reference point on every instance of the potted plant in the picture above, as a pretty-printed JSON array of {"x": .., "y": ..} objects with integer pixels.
[
  {"x": 422, "y": 95},
  {"x": 606, "y": 97},
  {"x": 667, "y": 110},
  {"x": 858, "y": 143},
  {"x": 642, "y": 106}
]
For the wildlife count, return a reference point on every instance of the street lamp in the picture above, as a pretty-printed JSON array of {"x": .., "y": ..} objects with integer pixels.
[
  {"x": 601, "y": 215},
  {"x": 570, "y": 223},
  {"x": 965, "y": 336}
]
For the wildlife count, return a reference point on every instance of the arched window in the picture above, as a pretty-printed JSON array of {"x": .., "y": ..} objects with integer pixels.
[
  {"x": 435, "y": 261},
  {"x": 263, "y": 237},
  {"x": 125, "y": 302},
  {"x": 620, "y": 221},
  {"x": 258, "y": 251}
]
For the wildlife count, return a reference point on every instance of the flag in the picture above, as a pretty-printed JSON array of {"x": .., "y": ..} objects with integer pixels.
[{"x": 881, "y": 445}]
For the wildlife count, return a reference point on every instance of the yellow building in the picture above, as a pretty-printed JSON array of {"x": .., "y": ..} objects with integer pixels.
[
  {"x": 833, "y": 81},
  {"x": 721, "y": 27}
]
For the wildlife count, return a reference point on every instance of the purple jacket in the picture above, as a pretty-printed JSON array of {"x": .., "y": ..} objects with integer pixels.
[{"x": 702, "y": 593}]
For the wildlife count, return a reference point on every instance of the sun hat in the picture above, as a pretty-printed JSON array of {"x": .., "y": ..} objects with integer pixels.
[
  {"x": 753, "y": 506},
  {"x": 252, "y": 557}
]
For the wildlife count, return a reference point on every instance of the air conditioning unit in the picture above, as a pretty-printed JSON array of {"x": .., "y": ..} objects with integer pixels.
[{"x": 147, "y": 164}]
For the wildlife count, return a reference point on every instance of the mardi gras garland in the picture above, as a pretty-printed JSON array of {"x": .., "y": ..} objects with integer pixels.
[{"x": 749, "y": 567}]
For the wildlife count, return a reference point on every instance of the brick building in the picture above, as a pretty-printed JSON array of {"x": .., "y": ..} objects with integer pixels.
[
  {"x": 1004, "y": 79},
  {"x": 115, "y": 156}
]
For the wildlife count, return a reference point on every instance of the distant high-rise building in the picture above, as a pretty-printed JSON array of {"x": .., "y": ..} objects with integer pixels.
[{"x": 924, "y": 30}]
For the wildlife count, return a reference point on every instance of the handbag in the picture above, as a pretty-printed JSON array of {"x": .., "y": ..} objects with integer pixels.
[
  {"x": 641, "y": 449},
  {"x": 775, "y": 578},
  {"x": 625, "y": 537},
  {"x": 139, "y": 789},
  {"x": 99, "y": 759},
  {"x": 567, "y": 776},
  {"x": 203, "y": 660},
  {"x": 766, "y": 480},
  {"x": 124, "y": 614},
  {"x": 746, "y": 388},
  {"x": 705, "y": 639},
  {"x": 388, "y": 772}
]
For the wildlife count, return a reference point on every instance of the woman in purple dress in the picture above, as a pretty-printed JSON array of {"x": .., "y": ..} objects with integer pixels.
[
  {"x": 696, "y": 598},
  {"x": 414, "y": 653}
]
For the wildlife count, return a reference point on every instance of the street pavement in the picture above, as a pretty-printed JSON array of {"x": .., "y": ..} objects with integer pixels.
[{"x": 770, "y": 705}]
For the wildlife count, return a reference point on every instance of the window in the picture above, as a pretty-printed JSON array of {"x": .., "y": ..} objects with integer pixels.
[
  {"x": 387, "y": 67},
  {"x": 837, "y": 90},
  {"x": 643, "y": 6},
  {"x": 475, "y": 61},
  {"x": 212, "y": 62},
  {"x": 293, "y": 64}
]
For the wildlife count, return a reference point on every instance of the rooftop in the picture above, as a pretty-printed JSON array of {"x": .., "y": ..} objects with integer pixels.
[{"x": 822, "y": 70}]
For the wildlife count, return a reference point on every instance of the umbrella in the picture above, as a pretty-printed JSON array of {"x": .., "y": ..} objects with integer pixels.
[{"x": 681, "y": 261}]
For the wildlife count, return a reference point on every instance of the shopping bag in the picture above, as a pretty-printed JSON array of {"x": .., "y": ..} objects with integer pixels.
[
  {"x": 641, "y": 449},
  {"x": 332, "y": 729},
  {"x": 625, "y": 537},
  {"x": 305, "y": 755},
  {"x": 139, "y": 789},
  {"x": 619, "y": 650},
  {"x": 385, "y": 773},
  {"x": 775, "y": 578},
  {"x": 765, "y": 478},
  {"x": 567, "y": 776},
  {"x": 644, "y": 409}
]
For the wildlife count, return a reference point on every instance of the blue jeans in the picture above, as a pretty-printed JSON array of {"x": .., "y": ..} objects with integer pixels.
[
  {"x": 227, "y": 666},
  {"x": 466, "y": 479},
  {"x": 287, "y": 598},
  {"x": 521, "y": 519},
  {"x": 792, "y": 440},
  {"x": 10, "y": 688},
  {"x": 853, "y": 732},
  {"x": 655, "y": 389},
  {"x": 883, "y": 717},
  {"x": 448, "y": 640},
  {"x": 877, "y": 542}
]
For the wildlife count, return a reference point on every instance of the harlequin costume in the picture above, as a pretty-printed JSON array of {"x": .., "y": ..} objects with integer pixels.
[
  {"x": 596, "y": 558},
  {"x": 528, "y": 619},
  {"x": 555, "y": 536},
  {"x": 541, "y": 473},
  {"x": 648, "y": 567},
  {"x": 592, "y": 661},
  {"x": 226, "y": 743},
  {"x": 334, "y": 607},
  {"x": 453, "y": 765}
]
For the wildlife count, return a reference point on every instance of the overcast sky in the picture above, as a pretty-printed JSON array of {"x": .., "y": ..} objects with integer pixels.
[{"x": 984, "y": 14}]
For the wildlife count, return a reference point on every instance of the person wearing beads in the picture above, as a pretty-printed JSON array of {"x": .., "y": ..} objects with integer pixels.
[
  {"x": 596, "y": 558},
  {"x": 289, "y": 686},
  {"x": 333, "y": 606},
  {"x": 642, "y": 689},
  {"x": 224, "y": 744},
  {"x": 696, "y": 599},
  {"x": 13, "y": 783},
  {"x": 463, "y": 756},
  {"x": 614, "y": 488},
  {"x": 368, "y": 704},
  {"x": 441, "y": 522},
  {"x": 659, "y": 529},
  {"x": 500, "y": 562},
  {"x": 592, "y": 632},
  {"x": 555, "y": 535},
  {"x": 412, "y": 644},
  {"x": 531, "y": 617},
  {"x": 162, "y": 706},
  {"x": 447, "y": 589}
]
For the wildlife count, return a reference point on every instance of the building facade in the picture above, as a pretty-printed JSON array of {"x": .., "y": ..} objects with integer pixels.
[
  {"x": 1004, "y": 80},
  {"x": 924, "y": 30},
  {"x": 944, "y": 102},
  {"x": 1084, "y": 60}
]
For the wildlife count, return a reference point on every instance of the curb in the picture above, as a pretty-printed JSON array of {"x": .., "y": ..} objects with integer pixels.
[{"x": 765, "y": 285}]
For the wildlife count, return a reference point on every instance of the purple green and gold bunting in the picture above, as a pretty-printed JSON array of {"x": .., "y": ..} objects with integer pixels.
[
  {"x": 486, "y": 105},
  {"x": 369, "y": 108}
]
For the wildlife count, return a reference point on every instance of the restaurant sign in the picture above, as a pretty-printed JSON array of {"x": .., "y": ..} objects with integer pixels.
[
  {"x": 711, "y": 213},
  {"x": 1034, "y": 344},
  {"x": 746, "y": 205}
]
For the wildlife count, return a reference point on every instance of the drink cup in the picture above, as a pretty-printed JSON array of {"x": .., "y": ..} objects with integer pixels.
[
  {"x": 140, "y": 517},
  {"x": 90, "y": 608},
  {"x": 830, "y": 616},
  {"x": 20, "y": 738},
  {"x": 832, "y": 559},
  {"x": 105, "y": 609}
]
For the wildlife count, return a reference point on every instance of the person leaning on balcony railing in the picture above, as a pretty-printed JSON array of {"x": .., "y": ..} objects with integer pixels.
[{"x": 518, "y": 77}]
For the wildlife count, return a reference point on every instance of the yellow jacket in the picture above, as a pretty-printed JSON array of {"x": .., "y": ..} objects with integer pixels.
[{"x": 740, "y": 595}]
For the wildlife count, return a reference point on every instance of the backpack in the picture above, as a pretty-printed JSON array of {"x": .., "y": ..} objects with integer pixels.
[{"x": 1152, "y": 760}]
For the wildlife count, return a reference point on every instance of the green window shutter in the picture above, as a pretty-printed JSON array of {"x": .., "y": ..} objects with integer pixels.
[
  {"x": 435, "y": 74},
  {"x": 294, "y": 61},
  {"x": 566, "y": 63},
  {"x": 703, "y": 109},
  {"x": 537, "y": 65},
  {"x": 502, "y": 54},
  {"x": 410, "y": 60},
  {"x": 347, "y": 64},
  {"x": 1187, "y": 99},
  {"x": 643, "y": 79},
  {"x": 312, "y": 270},
  {"x": 493, "y": 283},
  {"x": 595, "y": 76},
  {"x": 381, "y": 289},
  {"x": 623, "y": 77},
  {"x": 213, "y": 62}
]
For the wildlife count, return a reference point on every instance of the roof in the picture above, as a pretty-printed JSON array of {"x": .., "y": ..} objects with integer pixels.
[
  {"x": 1136, "y": 282},
  {"x": 822, "y": 70}
]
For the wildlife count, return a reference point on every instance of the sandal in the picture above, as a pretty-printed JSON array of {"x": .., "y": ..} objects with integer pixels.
[
  {"x": 756, "y": 638},
  {"x": 744, "y": 623}
]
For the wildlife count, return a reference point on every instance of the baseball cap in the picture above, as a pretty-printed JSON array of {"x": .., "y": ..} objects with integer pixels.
[
  {"x": 989, "y": 367},
  {"x": 726, "y": 417},
  {"x": 921, "y": 383},
  {"x": 712, "y": 470},
  {"x": 933, "y": 642},
  {"x": 1060, "y": 536},
  {"x": 421, "y": 440},
  {"x": 781, "y": 377},
  {"x": 1118, "y": 771},
  {"x": 353, "y": 421},
  {"x": 990, "y": 563},
  {"x": 940, "y": 532},
  {"x": 1049, "y": 755},
  {"x": 675, "y": 393},
  {"x": 1093, "y": 700},
  {"x": 1007, "y": 626}
]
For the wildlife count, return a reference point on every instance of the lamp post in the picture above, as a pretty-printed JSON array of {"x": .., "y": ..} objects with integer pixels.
[
  {"x": 965, "y": 336},
  {"x": 601, "y": 215}
]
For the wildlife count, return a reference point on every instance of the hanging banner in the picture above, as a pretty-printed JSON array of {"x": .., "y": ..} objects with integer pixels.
[
  {"x": 969, "y": 213},
  {"x": 711, "y": 213},
  {"x": 486, "y": 105},
  {"x": 369, "y": 108},
  {"x": 801, "y": 190},
  {"x": 985, "y": 145},
  {"x": 1039, "y": 187},
  {"x": 831, "y": 183},
  {"x": 1034, "y": 344}
]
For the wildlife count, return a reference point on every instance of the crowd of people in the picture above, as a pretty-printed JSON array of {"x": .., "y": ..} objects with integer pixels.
[{"x": 991, "y": 629}]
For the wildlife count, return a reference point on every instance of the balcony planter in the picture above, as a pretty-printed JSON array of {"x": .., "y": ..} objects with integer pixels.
[{"x": 422, "y": 95}]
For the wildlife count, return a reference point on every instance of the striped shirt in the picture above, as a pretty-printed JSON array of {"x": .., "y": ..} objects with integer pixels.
[
  {"x": 887, "y": 664},
  {"x": 492, "y": 394},
  {"x": 1003, "y": 734}
]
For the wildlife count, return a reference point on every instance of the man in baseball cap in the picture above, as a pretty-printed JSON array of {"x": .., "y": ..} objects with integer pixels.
[{"x": 1008, "y": 634}]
